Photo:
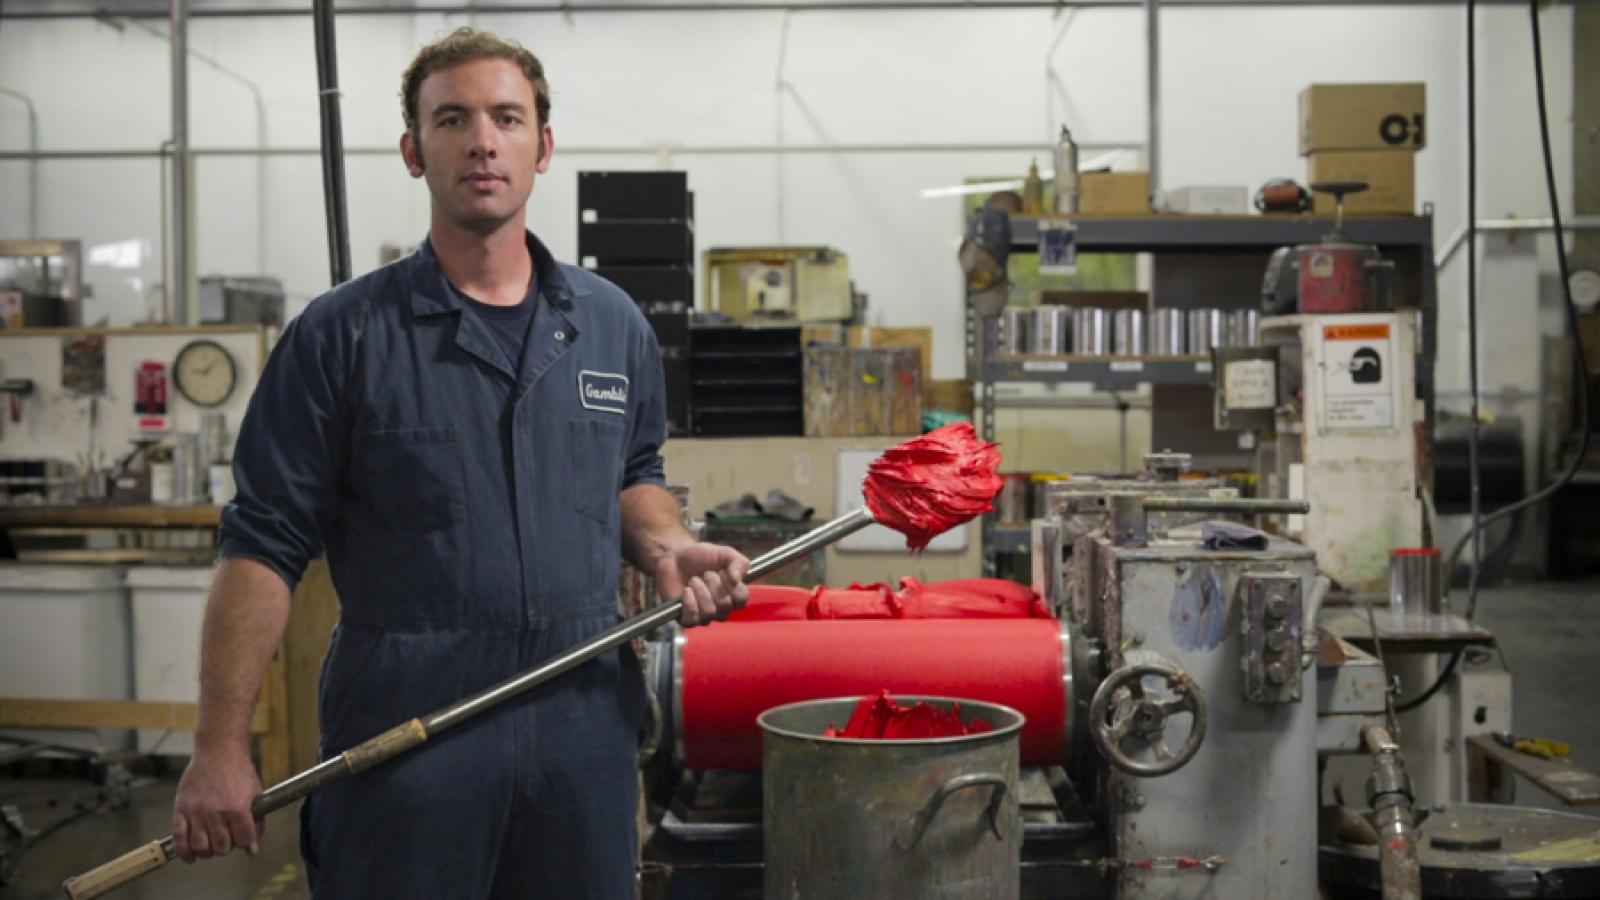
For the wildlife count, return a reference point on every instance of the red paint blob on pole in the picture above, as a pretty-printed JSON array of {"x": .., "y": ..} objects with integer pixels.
[{"x": 930, "y": 484}]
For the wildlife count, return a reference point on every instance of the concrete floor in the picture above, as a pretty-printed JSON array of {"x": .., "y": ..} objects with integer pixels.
[
  {"x": 275, "y": 874},
  {"x": 1550, "y": 634}
]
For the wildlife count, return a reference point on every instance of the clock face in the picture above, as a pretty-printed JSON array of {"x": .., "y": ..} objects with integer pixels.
[{"x": 204, "y": 373}]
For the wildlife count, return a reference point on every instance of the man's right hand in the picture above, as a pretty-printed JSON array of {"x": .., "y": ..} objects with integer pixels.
[{"x": 211, "y": 815}]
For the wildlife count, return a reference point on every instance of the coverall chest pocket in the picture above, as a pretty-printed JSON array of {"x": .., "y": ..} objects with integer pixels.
[
  {"x": 596, "y": 450},
  {"x": 413, "y": 476}
]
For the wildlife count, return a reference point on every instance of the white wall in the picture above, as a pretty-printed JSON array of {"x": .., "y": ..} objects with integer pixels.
[{"x": 638, "y": 82}]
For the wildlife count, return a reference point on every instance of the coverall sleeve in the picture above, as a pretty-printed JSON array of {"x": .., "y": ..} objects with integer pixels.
[
  {"x": 644, "y": 464},
  {"x": 292, "y": 445}
]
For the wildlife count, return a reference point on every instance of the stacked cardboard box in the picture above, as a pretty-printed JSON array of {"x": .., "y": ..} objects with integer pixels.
[{"x": 1364, "y": 132}]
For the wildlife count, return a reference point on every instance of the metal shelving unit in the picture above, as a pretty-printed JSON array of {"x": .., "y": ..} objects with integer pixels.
[
  {"x": 1232, "y": 252},
  {"x": 1112, "y": 373}
]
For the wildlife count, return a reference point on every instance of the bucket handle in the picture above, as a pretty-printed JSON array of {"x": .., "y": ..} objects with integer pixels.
[{"x": 912, "y": 829}]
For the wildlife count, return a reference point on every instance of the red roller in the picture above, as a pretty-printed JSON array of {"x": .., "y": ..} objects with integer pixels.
[{"x": 731, "y": 673}]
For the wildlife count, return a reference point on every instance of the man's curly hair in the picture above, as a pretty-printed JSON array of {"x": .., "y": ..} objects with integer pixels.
[{"x": 466, "y": 45}]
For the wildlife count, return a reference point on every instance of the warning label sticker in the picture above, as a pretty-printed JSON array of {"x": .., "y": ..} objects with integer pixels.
[{"x": 1358, "y": 377}]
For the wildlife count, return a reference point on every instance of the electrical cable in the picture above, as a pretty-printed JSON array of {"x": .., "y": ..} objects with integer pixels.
[{"x": 1577, "y": 351}]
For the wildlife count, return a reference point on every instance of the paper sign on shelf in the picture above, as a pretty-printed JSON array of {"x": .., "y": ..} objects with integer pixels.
[{"x": 1058, "y": 250}]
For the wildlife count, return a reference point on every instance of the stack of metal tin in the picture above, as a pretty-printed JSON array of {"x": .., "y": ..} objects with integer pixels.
[{"x": 1092, "y": 331}]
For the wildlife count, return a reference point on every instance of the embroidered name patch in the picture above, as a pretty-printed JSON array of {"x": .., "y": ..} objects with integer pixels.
[{"x": 603, "y": 391}]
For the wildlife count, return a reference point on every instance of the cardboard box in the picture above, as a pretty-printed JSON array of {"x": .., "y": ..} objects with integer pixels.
[
  {"x": 951, "y": 395},
  {"x": 1223, "y": 199},
  {"x": 1390, "y": 176},
  {"x": 1114, "y": 193},
  {"x": 1363, "y": 117},
  {"x": 881, "y": 336}
]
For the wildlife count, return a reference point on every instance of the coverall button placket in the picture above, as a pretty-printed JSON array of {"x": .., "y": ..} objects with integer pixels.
[{"x": 548, "y": 322}]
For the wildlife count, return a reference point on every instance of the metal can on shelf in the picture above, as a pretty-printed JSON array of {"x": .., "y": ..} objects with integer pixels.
[
  {"x": 1207, "y": 328},
  {"x": 1052, "y": 330},
  {"x": 1012, "y": 506},
  {"x": 1091, "y": 332},
  {"x": 1244, "y": 328},
  {"x": 1127, "y": 332},
  {"x": 1166, "y": 333},
  {"x": 1016, "y": 329}
]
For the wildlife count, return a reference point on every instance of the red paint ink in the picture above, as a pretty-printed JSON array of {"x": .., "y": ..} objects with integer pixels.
[
  {"x": 879, "y": 717},
  {"x": 930, "y": 484},
  {"x": 963, "y": 598}
]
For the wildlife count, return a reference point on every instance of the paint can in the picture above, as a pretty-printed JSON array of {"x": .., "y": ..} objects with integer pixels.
[
  {"x": 1414, "y": 580},
  {"x": 1244, "y": 328},
  {"x": 1207, "y": 328},
  {"x": 1052, "y": 330},
  {"x": 1166, "y": 333},
  {"x": 1127, "y": 332},
  {"x": 1016, "y": 329},
  {"x": 1012, "y": 504},
  {"x": 1091, "y": 332}
]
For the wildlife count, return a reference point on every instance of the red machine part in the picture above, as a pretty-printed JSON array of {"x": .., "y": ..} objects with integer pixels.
[
  {"x": 731, "y": 672},
  {"x": 1336, "y": 278}
]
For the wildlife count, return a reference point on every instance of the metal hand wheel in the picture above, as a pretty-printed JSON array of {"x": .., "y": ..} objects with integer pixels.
[{"x": 1123, "y": 711}]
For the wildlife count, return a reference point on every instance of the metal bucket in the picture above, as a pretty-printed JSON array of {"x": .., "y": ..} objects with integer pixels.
[{"x": 890, "y": 820}]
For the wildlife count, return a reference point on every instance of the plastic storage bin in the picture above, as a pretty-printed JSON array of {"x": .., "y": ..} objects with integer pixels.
[
  {"x": 64, "y": 635},
  {"x": 168, "y": 604}
]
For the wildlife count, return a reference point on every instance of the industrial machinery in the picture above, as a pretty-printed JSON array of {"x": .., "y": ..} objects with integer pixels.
[
  {"x": 1333, "y": 402},
  {"x": 1333, "y": 275},
  {"x": 803, "y": 284},
  {"x": 1169, "y": 747}
]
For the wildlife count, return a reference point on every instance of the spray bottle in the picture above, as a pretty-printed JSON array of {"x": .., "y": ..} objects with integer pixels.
[{"x": 1066, "y": 173}]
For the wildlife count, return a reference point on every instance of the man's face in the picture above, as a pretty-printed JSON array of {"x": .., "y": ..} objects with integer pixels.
[{"x": 478, "y": 142}]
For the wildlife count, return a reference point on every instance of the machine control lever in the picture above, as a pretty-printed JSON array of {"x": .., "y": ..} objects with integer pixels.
[{"x": 1123, "y": 711}]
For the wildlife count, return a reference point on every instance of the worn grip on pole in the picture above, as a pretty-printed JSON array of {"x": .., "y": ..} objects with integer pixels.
[
  {"x": 117, "y": 872},
  {"x": 388, "y": 745}
]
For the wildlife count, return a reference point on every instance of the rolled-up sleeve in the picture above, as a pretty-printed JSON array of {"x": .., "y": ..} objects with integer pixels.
[
  {"x": 644, "y": 464},
  {"x": 291, "y": 448}
]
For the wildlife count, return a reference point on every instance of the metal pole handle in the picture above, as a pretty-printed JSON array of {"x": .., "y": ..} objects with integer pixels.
[
  {"x": 118, "y": 872},
  {"x": 1247, "y": 506},
  {"x": 407, "y": 735}
]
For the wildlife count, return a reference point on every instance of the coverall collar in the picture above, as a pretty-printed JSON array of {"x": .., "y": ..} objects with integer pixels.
[{"x": 431, "y": 296}]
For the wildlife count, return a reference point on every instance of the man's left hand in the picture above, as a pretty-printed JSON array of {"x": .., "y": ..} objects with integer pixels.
[{"x": 709, "y": 578}]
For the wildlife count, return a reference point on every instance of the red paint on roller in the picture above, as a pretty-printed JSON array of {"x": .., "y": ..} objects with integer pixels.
[
  {"x": 879, "y": 717},
  {"x": 731, "y": 672},
  {"x": 966, "y": 598},
  {"x": 930, "y": 484}
]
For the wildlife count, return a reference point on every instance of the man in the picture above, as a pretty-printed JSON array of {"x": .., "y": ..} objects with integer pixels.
[{"x": 470, "y": 434}]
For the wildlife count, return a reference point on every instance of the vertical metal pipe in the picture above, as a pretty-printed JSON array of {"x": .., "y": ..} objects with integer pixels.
[
  {"x": 182, "y": 244},
  {"x": 33, "y": 161},
  {"x": 332, "y": 141},
  {"x": 1152, "y": 64}
]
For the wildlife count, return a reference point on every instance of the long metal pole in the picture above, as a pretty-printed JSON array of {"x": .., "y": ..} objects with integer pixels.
[
  {"x": 182, "y": 244},
  {"x": 1152, "y": 68},
  {"x": 826, "y": 6},
  {"x": 408, "y": 735},
  {"x": 332, "y": 141}
]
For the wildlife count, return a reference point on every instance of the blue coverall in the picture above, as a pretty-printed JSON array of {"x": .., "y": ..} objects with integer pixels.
[{"x": 469, "y": 514}]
